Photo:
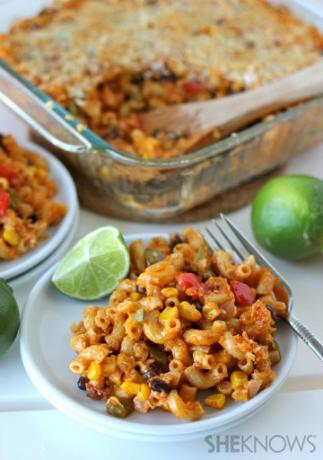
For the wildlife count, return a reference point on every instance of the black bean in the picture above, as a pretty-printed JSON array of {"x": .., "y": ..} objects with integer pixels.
[
  {"x": 157, "y": 384},
  {"x": 174, "y": 135},
  {"x": 156, "y": 133},
  {"x": 82, "y": 382},
  {"x": 166, "y": 77},
  {"x": 138, "y": 78},
  {"x": 198, "y": 306},
  {"x": 153, "y": 370},
  {"x": 175, "y": 238},
  {"x": 140, "y": 289},
  {"x": 113, "y": 133}
]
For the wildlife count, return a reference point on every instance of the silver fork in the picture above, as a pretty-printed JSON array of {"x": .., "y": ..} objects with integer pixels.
[{"x": 225, "y": 227}]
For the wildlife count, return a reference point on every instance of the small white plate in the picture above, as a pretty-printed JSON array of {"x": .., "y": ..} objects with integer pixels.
[
  {"x": 46, "y": 355},
  {"x": 56, "y": 235}
]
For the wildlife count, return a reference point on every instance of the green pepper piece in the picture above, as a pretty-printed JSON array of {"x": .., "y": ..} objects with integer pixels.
[
  {"x": 119, "y": 407},
  {"x": 154, "y": 255},
  {"x": 201, "y": 254},
  {"x": 159, "y": 356},
  {"x": 14, "y": 201}
]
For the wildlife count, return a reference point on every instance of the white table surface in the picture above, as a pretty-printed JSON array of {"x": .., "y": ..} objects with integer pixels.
[{"x": 47, "y": 434}]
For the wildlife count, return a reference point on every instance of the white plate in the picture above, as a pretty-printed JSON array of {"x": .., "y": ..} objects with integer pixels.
[
  {"x": 46, "y": 355},
  {"x": 67, "y": 194}
]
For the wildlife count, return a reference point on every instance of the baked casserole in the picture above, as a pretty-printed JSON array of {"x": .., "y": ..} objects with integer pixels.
[{"x": 107, "y": 60}]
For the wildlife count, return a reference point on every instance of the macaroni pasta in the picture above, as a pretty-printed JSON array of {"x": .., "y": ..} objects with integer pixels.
[{"x": 188, "y": 320}]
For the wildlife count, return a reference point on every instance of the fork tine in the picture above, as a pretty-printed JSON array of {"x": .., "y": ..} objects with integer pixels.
[
  {"x": 243, "y": 240},
  {"x": 227, "y": 239},
  {"x": 262, "y": 260},
  {"x": 219, "y": 245}
]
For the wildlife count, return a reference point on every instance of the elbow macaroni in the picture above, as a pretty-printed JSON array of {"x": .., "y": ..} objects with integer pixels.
[{"x": 158, "y": 343}]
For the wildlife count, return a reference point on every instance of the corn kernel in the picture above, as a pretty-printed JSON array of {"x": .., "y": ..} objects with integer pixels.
[
  {"x": 169, "y": 292},
  {"x": 41, "y": 173},
  {"x": 130, "y": 388},
  {"x": 148, "y": 147},
  {"x": 189, "y": 311},
  {"x": 32, "y": 170},
  {"x": 11, "y": 237},
  {"x": 216, "y": 401},
  {"x": 135, "y": 296},
  {"x": 105, "y": 171},
  {"x": 144, "y": 392},
  {"x": 94, "y": 372},
  {"x": 168, "y": 313},
  {"x": 238, "y": 378}
]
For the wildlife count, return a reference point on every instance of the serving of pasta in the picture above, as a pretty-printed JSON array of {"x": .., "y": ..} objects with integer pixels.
[
  {"x": 27, "y": 200},
  {"x": 186, "y": 320}
]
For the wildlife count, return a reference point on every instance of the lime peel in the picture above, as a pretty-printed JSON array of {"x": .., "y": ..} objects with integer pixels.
[
  {"x": 9, "y": 317},
  {"x": 287, "y": 216}
]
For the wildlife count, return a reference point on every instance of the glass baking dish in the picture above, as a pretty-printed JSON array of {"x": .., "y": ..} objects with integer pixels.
[{"x": 132, "y": 187}]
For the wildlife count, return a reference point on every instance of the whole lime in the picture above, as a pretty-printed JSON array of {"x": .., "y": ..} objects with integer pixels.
[
  {"x": 9, "y": 317},
  {"x": 287, "y": 216}
]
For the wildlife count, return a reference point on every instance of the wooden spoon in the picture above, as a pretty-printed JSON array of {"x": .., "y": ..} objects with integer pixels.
[{"x": 229, "y": 114}]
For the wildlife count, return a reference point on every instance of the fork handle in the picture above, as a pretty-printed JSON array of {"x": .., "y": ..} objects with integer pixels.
[{"x": 311, "y": 341}]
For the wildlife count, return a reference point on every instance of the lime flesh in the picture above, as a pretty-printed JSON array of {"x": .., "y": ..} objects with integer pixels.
[
  {"x": 93, "y": 267},
  {"x": 287, "y": 216}
]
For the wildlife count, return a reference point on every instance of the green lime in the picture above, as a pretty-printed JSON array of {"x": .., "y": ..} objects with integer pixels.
[
  {"x": 287, "y": 216},
  {"x": 93, "y": 267},
  {"x": 9, "y": 317}
]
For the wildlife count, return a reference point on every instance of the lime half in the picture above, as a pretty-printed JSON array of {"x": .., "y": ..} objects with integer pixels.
[{"x": 93, "y": 267}]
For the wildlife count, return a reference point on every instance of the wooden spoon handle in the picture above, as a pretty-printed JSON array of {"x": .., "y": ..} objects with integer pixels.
[
  {"x": 253, "y": 105},
  {"x": 231, "y": 113}
]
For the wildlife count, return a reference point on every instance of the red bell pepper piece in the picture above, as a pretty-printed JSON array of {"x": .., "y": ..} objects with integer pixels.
[
  {"x": 192, "y": 87},
  {"x": 242, "y": 293},
  {"x": 190, "y": 284},
  {"x": 189, "y": 280},
  {"x": 4, "y": 203},
  {"x": 7, "y": 172},
  {"x": 11, "y": 175}
]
